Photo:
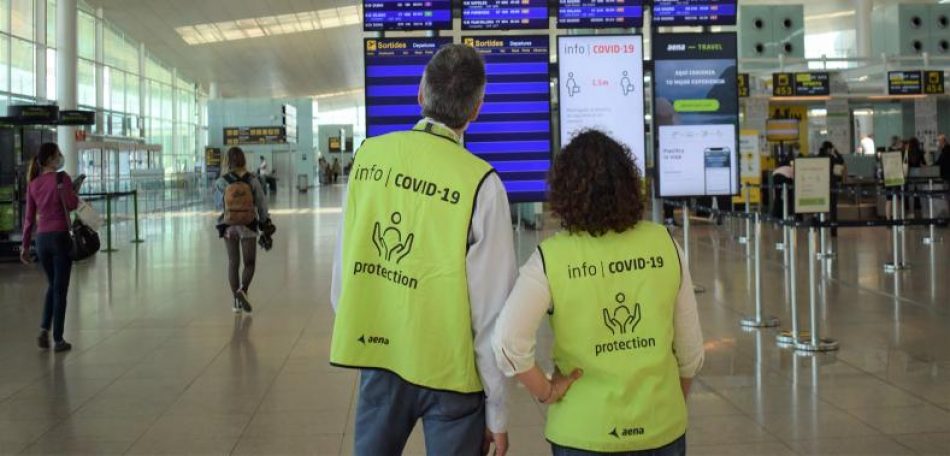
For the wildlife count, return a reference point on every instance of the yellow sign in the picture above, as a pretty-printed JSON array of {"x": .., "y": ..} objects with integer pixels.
[
  {"x": 750, "y": 167},
  {"x": 934, "y": 83}
]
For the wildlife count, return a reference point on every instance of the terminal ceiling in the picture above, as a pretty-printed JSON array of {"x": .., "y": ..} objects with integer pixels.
[{"x": 305, "y": 63}]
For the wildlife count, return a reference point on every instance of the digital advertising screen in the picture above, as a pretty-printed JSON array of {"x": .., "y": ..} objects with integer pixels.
[
  {"x": 601, "y": 87},
  {"x": 513, "y": 131},
  {"x": 383, "y": 15},
  {"x": 696, "y": 114},
  {"x": 694, "y": 12},
  {"x": 504, "y": 14},
  {"x": 394, "y": 68},
  {"x": 599, "y": 13}
]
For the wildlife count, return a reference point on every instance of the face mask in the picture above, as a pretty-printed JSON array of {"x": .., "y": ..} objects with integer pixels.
[{"x": 57, "y": 162}]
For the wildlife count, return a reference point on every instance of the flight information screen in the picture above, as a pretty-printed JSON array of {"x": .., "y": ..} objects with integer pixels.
[
  {"x": 394, "y": 68},
  {"x": 599, "y": 13},
  {"x": 504, "y": 14},
  {"x": 513, "y": 131},
  {"x": 379, "y": 15},
  {"x": 694, "y": 12}
]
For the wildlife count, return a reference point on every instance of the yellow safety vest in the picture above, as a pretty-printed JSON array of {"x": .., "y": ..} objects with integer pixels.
[
  {"x": 614, "y": 299},
  {"x": 404, "y": 305}
]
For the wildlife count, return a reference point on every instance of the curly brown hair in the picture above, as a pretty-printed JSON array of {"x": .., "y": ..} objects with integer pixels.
[{"x": 595, "y": 186}]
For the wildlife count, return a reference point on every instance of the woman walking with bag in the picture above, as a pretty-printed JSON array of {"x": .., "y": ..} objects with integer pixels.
[
  {"x": 242, "y": 198},
  {"x": 50, "y": 198}
]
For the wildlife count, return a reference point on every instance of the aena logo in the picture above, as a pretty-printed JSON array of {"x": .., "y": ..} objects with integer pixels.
[{"x": 675, "y": 47}]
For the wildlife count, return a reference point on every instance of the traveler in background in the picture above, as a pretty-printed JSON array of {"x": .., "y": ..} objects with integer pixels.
[
  {"x": 50, "y": 197},
  {"x": 336, "y": 170},
  {"x": 838, "y": 173},
  {"x": 914, "y": 159},
  {"x": 867, "y": 144},
  {"x": 242, "y": 199},
  {"x": 627, "y": 341},
  {"x": 897, "y": 145},
  {"x": 783, "y": 174},
  {"x": 419, "y": 278},
  {"x": 264, "y": 173},
  {"x": 943, "y": 159}
]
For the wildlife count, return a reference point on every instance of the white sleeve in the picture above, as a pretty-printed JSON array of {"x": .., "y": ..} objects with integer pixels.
[
  {"x": 516, "y": 331},
  {"x": 491, "y": 267},
  {"x": 687, "y": 334}
]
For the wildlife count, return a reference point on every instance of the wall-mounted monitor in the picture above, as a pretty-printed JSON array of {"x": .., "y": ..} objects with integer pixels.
[
  {"x": 394, "y": 68},
  {"x": 385, "y": 15},
  {"x": 601, "y": 87},
  {"x": 513, "y": 131},
  {"x": 696, "y": 114},
  {"x": 694, "y": 12},
  {"x": 599, "y": 14},
  {"x": 504, "y": 14}
]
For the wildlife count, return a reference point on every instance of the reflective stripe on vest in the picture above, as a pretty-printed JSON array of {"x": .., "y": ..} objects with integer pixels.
[
  {"x": 404, "y": 304},
  {"x": 614, "y": 299}
]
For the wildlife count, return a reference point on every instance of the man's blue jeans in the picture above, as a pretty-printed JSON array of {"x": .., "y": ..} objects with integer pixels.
[{"x": 389, "y": 407}]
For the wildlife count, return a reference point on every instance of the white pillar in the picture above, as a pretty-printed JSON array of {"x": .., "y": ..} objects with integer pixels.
[
  {"x": 176, "y": 144},
  {"x": 214, "y": 92},
  {"x": 862, "y": 26},
  {"x": 67, "y": 15},
  {"x": 100, "y": 73},
  {"x": 39, "y": 36},
  {"x": 143, "y": 91}
]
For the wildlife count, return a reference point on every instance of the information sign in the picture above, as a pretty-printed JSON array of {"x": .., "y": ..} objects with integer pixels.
[
  {"x": 694, "y": 12},
  {"x": 394, "y": 68},
  {"x": 383, "y": 15},
  {"x": 810, "y": 84},
  {"x": 933, "y": 82},
  {"x": 696, "y": 114},
  {"x": 893, "y": 167},
  {"x": 234, "y": 136},
  {"x": 743, "y": 85},
  {"x": 599, "y": 13},
  {"x": 601, "y": 87},
  {"x": 812, "y": 185},
  {"x": 513, "y": 131},
  {"x": 504, "y": 14},
  {"x": 750, "y": 171}
]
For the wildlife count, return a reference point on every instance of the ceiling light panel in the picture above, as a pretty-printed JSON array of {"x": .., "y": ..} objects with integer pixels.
[{"x": 283, "y": 24}]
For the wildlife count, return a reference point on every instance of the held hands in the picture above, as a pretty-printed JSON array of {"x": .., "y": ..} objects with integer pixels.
[{"x": 559, "y": 384}]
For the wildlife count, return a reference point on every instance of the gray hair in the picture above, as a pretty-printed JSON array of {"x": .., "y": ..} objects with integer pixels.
[{"x": 453, "y": 85}]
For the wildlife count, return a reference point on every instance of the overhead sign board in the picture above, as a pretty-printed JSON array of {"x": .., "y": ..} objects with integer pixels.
[
  {"x": 384, "y": 15},
  {"x": 234, "y": 136},
  {"x": 599, "y": 13},
  {"x": 601, "y": 87},
  {"x": 504, "y": 14},
  {"x": 933, "y": 82},
  {"x": 696, "y": 114},
  {"x": 808, "y": 84},
  {"x": 694, "y": 12}
]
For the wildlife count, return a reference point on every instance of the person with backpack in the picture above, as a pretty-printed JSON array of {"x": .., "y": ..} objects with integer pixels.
[
  {"x": 50, "y": 197},
  {"x": 244, "y": 204}
]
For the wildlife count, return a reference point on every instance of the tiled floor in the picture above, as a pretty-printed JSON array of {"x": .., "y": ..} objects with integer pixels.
[{"x": 161, "y": 365}]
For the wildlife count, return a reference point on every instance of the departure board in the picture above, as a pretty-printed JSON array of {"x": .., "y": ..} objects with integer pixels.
[
  {"x": 599, "y": 13},
  {"x": 504, "y": 14},
  {"x": 809, "y": 84},
  {"x": 394, "y": 68},
  {"x": 694, "y": 12},
  {"x": 513, "y": 131},
  {"x": 905, "y": 83},
  {"x": 381, "y": 15}
]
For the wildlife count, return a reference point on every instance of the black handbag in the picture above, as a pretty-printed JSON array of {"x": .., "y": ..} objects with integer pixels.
[{"x": 85, "y": 240}]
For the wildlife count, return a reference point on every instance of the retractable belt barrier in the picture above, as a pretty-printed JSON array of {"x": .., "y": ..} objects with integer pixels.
[{"x": 108, "y": 197}]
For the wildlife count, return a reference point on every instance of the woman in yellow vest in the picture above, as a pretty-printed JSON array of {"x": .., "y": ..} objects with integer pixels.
[{"x": 627, "y": 340}]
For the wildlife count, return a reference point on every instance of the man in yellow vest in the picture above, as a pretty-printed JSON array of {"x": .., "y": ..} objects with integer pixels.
[{"x": 424, "y": 264}]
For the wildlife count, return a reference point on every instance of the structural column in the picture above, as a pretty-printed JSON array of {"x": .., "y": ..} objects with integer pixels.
[
  {"x": 862, "y": 26},
  {"x": 101, "y": 128},
  {"x": 143, "y": 91},
  {"x": 39, "y": 36},
  {"x": 67, "y": 15}
]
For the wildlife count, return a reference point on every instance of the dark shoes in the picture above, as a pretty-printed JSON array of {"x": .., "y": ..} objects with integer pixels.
[
  {"x": 62, "y": 346},
  {"x": 42, "y": 340},
  {"x": 241, "y": 297}
]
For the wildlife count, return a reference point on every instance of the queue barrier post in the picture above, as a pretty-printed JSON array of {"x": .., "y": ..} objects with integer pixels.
[
  {"x": 781, "y": 245},
  {"x": 931, "y": 237},
  {"x": 824, "y": 251},
  {"x": 813, "y": 342},
  {"x": 744, "y": 238},
  {"x": 795, "y": 335},
  {"x": 135, "y": 212},
  {"x": 109, "y": 248},
  {"x": 758, "y": 321},
  {"x": 895, "y": 264}
]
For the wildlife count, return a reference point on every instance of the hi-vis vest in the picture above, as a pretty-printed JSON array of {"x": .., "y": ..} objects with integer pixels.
[
  {"x": 404, "y": 305},
  {"x": 614, "y": 298}
]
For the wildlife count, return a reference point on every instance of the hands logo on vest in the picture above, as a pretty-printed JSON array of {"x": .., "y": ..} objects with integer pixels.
[
  {"x": 390, "y": 242},
  {"x": 622, "y": 320}
]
